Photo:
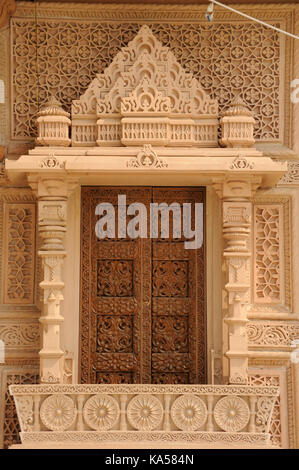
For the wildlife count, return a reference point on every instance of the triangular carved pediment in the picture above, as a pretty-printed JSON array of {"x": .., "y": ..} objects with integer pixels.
[{"x": 97, "y": 115}]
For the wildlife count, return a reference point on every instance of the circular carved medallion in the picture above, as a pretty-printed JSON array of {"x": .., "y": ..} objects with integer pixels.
[
  {"x": 145, "y": 412},
  {"x": 231, "y": 413},
  {"x": 101, "y": 412},
  {"x": 189, "y": 412},
  {"x": 58, "y": 412}
]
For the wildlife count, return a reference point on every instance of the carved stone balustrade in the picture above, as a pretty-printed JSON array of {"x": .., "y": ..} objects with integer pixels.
[{"x": 144, "y": 416}]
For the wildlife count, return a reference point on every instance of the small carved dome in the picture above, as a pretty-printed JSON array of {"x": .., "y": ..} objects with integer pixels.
[
  {"x": 237, "y": 108},
  {"x": 53, "y": 108}
]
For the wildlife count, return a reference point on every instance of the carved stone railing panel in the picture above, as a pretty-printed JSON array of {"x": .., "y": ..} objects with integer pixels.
[
  {"x": 170, "y": 413},
  {"x": 9, "y": 422},
  {"x": 275, "y": 424}
]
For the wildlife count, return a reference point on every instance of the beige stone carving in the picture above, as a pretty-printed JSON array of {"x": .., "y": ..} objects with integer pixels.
[
  {"x": 180, "y": 27},
  {"x": 145, "y": 96},
  {"x": 231, "y": 414},
  {"x": 237, "y": 124},
  {"x": 19, "y": 253},
  {"x": 101, "y": 412},
  {"x": 145, "y": 412},
  {"x": 52, "y": 196},
  {"x": 272, "y": 334},
  {"x": 58, "y": 412},
  {"x": 189, "y": 413},
  {"x": 53, "y": 125},
  {"x": 292, "y": 175},
  {"x": 268, "y": 243},
  {"x": 113, "y": 410},
  {"x": 236, "y": 194},
  {"x": 147, "y": 158},
  {"x": 22, "y": 335}
]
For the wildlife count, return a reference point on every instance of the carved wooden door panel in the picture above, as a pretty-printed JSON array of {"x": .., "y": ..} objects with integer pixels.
[
  {"x": 178, "y": 300},
  {"x": 142, "y": 300}
]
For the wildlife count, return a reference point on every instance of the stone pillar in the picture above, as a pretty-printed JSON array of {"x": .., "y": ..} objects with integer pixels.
[
  {"x": 236, "y": 193},
  {"x": 52, "y": 194}
]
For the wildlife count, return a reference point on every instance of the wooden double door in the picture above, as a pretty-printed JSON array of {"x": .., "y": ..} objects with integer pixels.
[{"x": 142, "y": 300}]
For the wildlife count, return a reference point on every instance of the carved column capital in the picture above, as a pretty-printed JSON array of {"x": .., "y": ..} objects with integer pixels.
[
  {"x": 7, "y": 8},
  {"x": 47, "y": 186},
  {"x": 237, "y": 187}
]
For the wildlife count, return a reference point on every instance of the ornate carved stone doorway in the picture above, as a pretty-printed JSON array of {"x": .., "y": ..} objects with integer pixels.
[{"x": 142, "y": 301}]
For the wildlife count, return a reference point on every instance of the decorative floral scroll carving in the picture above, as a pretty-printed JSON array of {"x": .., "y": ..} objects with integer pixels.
[
  {"x": 20, "y": 335},
  {"x": 264, "y": 406},
  {"x": 145, "y": 412},
  {"x": 147, "y": 158},
  {"x": 241, "y": 163},
  {"x": 52, "y": 162},
  {"x": 292, "y": 175},
  {"x": 145, "y": 99},
  {"x": 101, "y": 412},
  {"x": 25, "y": 411},
  {"x": 280, "y": 334},
  {"x": 231, "y": 414},
  {"x": 189, "y": 413},
  {"x": 58, "y": 412},
  {"x": 275, "y": 425}
]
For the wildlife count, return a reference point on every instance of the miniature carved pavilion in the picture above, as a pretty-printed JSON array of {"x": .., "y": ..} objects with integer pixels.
[{"x": 140, "y": 342}]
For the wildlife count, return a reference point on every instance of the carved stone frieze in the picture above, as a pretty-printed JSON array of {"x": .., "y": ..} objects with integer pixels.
[
  {"x": 20, "y": 335},
  {"x": 200, "y": 50},
  {"x": 192, "y": 411},
  {"x": 272, "y": 334}
]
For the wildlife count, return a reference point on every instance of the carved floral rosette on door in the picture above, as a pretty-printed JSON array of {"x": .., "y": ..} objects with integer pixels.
[{"x": 142, "y": 300}]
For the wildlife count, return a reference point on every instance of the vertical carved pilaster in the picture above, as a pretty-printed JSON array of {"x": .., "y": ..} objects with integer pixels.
[
  {"x": 52, "y": 196},
  {"x": 236, "y": 194}
]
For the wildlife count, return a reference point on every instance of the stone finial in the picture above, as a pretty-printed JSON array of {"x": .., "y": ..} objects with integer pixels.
[
  {"x": 53, "y": 124},
  {"x": 237, "y": 124}
]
